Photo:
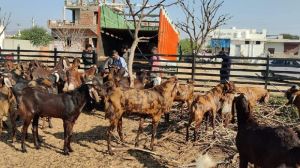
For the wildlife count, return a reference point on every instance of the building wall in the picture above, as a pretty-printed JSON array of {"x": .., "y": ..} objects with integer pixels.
[
  {"x": 14, "y": 43},
  {"x": 279, "y": 47},
  {"x": 243, "y": 42}
]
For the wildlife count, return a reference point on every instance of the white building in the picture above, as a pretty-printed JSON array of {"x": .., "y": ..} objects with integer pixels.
[
  {"x": 2, "y": 36},
  {"x": 277, "y": 46},
  {"x": 239, "y": 42}
]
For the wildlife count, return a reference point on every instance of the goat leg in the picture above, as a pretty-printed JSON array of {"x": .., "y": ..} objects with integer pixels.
[
  {"x": 70, "y": 131},
  {"x": 24, "y": 133},
  {"x": 243, "y": 163},
  {"x": 154, "y": 130},
  {"x": 1, "y": 124},
  {"x": 66, "y": 135},
  {"x": 49, "y": 122},
  {"x": 13, "y": 117},
  {"x": 119, "y": 129},
  {"x": 109, "y": 132},
  {"x": 140, "y": 130},
  {"x": 35, "y": 123},
  {"x": 213, "y": 123},
  {"x": 167, "y": 117}
]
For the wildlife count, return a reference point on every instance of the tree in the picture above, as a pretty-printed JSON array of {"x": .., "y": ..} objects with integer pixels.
[
  {"x": 290, "y": 36},
  {"x": 70, "y": 37},
  {"x": 185, "y": 46},
  {"x": 200, "y": 20},
  {"x": 4, "y": 20},
  {"x": 137, "y": 15},
  {"x": 38, "y": 36}
]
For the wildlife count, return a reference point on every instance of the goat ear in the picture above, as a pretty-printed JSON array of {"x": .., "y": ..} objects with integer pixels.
[
  {"x": 65, "y": 65},
  {"x": 94, "y": 94},
  {"x": 7, "y": 82},
  {"x": 56, "y": 76}
]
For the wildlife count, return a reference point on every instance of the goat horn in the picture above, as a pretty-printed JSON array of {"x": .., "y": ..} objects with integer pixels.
[{"x": 226, "y": 81}]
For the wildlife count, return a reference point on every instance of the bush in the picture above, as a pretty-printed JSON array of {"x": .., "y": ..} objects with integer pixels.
[{"x": 37, "y": 35}]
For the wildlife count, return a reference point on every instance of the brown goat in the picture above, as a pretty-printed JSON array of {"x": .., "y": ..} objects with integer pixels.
[
  {"x": 261, "y": 145},
  {"x": 293, "y": 95},
  {"x": 254, "y": 95},
  {"x": 185, "y": 94},
  {"x": 7, "y": 100},
  {"x": 147, "y": 102},
  {"x": 210, "y": 104}
]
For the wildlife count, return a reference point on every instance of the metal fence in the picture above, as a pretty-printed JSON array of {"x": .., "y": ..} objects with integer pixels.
[{"x": 275, "y": 74}]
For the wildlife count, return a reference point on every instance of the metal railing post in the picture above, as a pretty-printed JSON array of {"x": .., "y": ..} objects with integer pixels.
[
  {"x": 55, "y": 56},
  {"x": 193, "y": 65},
  {"x": 18, "y": 54},
  {"x": 267, "y": 71}
]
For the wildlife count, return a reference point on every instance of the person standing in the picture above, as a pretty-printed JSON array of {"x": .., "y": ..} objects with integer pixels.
[
  {"x": 225, "y": 66},
  {"x": 126, "y": 53},
  {"x": 88, "y": 56},
  {"x": 156, "y": 76}
]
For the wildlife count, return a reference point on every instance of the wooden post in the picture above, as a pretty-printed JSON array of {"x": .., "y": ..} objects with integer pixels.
[
  {"x": 18, "y": 54},
  {"x": 55, "y": 56},
  {"x": 267, "y": 71},
  {"x": 193, "y": 65}
]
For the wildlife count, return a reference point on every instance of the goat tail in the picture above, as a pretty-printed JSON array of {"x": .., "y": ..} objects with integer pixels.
[
  {"x": 233, "y": 111},
  {"x": 266, "y": 98}
]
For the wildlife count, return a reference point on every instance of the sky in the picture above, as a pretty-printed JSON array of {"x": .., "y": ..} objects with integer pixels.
[{"x": 277, "y": 16}]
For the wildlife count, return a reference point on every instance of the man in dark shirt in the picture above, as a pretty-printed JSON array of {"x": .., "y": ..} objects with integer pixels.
[
  {"x": 225, "y": 68},
  {"x": 88, "y": 56}
]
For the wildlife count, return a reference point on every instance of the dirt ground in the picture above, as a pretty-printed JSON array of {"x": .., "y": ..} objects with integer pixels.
[{"x": 89, "y": 144}]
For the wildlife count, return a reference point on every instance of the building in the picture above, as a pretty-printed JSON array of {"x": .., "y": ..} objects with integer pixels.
[
  {"x": 103, "y": 24},
  {"x": 82, "y": 29},
  {"x": 278, "y": 46},
  {"x": 239, "y": 42}
]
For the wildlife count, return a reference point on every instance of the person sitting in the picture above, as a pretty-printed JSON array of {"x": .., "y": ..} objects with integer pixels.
[
  {"x": 119, "y": 61},
  {"x": 156, "y": 76}
]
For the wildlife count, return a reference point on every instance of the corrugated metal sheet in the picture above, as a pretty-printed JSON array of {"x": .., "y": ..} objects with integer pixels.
[
  {"x": 168, "y": 38},
  {"x": 113, "y": 20}
]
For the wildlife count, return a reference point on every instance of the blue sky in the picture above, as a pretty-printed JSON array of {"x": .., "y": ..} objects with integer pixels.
[{"x": 278, "y": 16}]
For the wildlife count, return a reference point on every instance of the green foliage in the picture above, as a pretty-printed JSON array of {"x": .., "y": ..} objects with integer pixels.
[
  {"x": 185, "y": 46},
  {"x": 288, "y": 112},
  {"x": 37, "y": 35},
  {"x": 290, "y": 36}
]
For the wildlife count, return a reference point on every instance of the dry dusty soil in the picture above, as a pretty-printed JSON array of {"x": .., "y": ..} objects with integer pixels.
[{"x": 89, "y": 144}]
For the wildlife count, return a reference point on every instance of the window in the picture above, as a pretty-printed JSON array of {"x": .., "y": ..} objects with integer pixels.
[
  {"x": 271, "y": 50},
  {"x": 69, "y": 42},
  {"x": 257, "y": 42},
  {"x": 247, "y": 42}
]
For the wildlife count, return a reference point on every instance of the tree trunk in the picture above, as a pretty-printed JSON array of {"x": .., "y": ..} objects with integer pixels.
[{"x": 130, "y": 62}]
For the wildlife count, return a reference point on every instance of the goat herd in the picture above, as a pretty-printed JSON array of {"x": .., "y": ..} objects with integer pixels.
[{"x": 30, "y": 90}]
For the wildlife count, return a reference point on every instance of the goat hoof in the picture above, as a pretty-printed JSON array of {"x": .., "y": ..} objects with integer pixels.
[
  {"x": 24, "y": 150},
  {"x": 66, "y": 153},
  {"x": 110, "y": 153},
  {"x": 38, "y": 147}
]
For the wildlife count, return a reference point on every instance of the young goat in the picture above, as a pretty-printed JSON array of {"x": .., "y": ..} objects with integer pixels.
[
  {"x": 261, "y": 145},
  {"x": 210, "y": 103},
  {"x": 293, "y": 95}
]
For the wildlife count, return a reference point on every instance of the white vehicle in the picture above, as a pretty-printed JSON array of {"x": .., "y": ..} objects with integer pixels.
[{"x": 291, "y": 67}]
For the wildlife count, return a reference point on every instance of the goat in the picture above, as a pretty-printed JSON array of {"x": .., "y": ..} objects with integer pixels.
[
  {"x": 293, "y": 96},
  {"x": 148, "y": 102},
  {"x": 210, "y": 103},
  {"x": 262, "y": 145},
  {"x": 67, "y": 106}
]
